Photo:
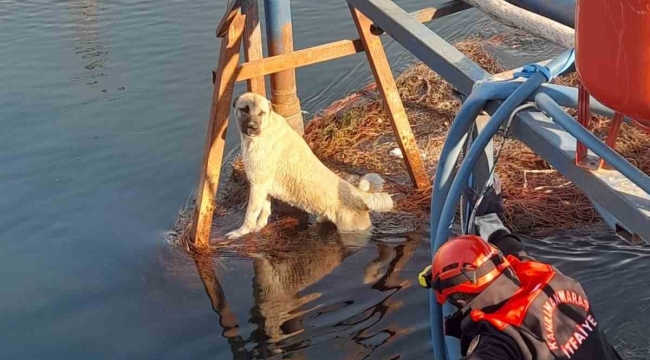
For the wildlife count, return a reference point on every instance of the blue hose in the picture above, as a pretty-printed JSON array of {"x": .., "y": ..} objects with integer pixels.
[
  {"x": 471, "y": 108},
  {"x": 445, "y": 166},
  {"x": 481, "y": 141},
  {"x": 452, "y": 147},
  {"x": 453, "y": 197},
  {"x": 445, "y": 196},
  {"x": 568, "y": 97},
  {"x": 499, "y": 117},
  {"x": 457, "y": 135},
  {"x": 557, "y": 114}
]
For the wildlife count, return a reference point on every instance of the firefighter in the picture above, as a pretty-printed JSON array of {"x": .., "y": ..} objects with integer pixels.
[{"x": 510, "y": 306}]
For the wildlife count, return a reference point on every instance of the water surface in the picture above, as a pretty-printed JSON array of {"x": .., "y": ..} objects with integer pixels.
[{"x": 103, "y": 109}]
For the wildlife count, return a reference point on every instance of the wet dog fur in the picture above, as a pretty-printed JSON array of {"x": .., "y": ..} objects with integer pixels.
[{"x": 279, "y": 164}]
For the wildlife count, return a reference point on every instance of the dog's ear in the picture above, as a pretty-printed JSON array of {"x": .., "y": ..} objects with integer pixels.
[
  {"x": 270, "y": 106},
  {"x": 234, "y": 102}
]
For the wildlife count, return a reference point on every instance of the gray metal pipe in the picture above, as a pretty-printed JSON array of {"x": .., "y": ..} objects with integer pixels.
[
  {"x": 562, "y": 11},
  {"x": 560, "y": 117}
]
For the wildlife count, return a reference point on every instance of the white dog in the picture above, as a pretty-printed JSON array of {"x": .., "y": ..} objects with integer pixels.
[{"x": 279, "y": 164}]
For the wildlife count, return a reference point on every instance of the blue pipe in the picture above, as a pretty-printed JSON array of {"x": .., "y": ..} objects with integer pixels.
[
  {"x": 568, "y": 97},
  {"x": 562, "y": 11},
  {"x": 446, "y": 197},
  {"x": 457, "y": 136},
  {"x": 452, "y": 147},
  {"x": 449, "y": 155},
  {"x": 277, "y": 14},
  {"x": 557, "y": 114},
  {"x": 451, "y": 151},
  {"x": 445, "y": 166},
  {"x": 473, "y": 105},
  {"x": 475, "y": 102},
  {"x": 458, "y": 185},
  {"x": 455, "y": 191}
]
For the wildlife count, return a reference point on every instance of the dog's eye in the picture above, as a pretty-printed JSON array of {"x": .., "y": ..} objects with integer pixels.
[
  {"x": 261, "y": 113},
  {"x": 245, "y": 109}
]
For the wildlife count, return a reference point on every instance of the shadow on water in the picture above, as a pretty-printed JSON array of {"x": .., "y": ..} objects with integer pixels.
[{"x": 290, "y": 314}]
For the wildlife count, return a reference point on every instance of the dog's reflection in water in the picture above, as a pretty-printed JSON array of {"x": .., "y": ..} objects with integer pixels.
[{"x": 281, "y": 276}]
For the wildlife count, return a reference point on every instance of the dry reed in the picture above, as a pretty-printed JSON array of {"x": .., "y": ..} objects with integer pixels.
[
  {"x": 538, "y": 199},
  {"x": 353, "y": 136}
]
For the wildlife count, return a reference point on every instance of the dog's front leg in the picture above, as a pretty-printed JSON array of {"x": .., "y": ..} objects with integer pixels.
[
  {"x": 264, "y": 214},
  {"x": 256, "y": 201}
]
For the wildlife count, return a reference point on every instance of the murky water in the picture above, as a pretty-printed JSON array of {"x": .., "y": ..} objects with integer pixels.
[{"x": 103, "y": 106}]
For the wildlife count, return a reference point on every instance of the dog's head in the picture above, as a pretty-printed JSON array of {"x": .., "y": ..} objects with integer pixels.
[{"x": 253, "y": 113}]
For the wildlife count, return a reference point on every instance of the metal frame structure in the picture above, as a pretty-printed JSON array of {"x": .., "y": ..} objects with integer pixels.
[
  {"x": 621, "y": 196},
  {"x": 240, "y": 25},
  {"x": 626, "y": 207}
]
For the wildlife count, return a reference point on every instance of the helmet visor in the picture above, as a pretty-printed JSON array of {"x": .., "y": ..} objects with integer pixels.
[{"x": 468, "y": 274}]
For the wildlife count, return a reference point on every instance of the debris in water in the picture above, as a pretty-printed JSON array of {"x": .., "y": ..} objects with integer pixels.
[{"x": 396, "y": 152}]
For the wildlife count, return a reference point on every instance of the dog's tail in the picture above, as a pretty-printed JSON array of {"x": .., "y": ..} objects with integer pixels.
[{"x": 371, "y": 186}]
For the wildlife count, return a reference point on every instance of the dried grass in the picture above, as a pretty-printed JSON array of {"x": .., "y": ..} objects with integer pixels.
[
  {"x": 353, "y": 136},
  {"x": 289, "y": 230},
  {"x": 538, "y": 199}
]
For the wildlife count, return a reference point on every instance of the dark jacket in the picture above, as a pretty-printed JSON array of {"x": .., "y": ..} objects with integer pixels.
[{"x": 539, "y": 314}]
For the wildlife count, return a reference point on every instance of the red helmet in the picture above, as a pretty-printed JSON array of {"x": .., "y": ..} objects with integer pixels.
[{"x": 466, "y": 265}]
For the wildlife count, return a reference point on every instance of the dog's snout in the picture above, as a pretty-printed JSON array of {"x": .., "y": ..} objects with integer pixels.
[{"x": 251, "y": 127}]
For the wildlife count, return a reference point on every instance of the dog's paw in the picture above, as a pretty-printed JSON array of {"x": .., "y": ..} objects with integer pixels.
[
  {"x": 261, "y": 223},
  {"x": 258, "y": 228},
  {"x": 236, "y": 234}
]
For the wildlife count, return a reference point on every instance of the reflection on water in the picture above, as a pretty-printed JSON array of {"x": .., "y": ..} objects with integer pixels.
[
  {"x": 227, "y": 320},
  {"x": 90, "y": 48},
  {"x": 285, "y": 305},
  {"x": 315, "y": 302}
]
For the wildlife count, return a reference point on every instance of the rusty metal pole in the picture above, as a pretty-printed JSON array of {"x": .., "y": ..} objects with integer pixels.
[
  {"x": 279, "y": 35},
  {"x": 215, "y": 140}
]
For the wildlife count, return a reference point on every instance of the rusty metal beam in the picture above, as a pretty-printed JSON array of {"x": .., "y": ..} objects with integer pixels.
[
  {"x": 300, "y": 58},
  {"x": 231, "y": 11},
  {"x": 333, "y": 50},
  {"x": 216, "y": 132},
  {"x": 426, "y": 45},
  {"x": 253, "y": 44},
  {"x": 392, "y": 102},
  {"x": 428, "y": 14}
]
